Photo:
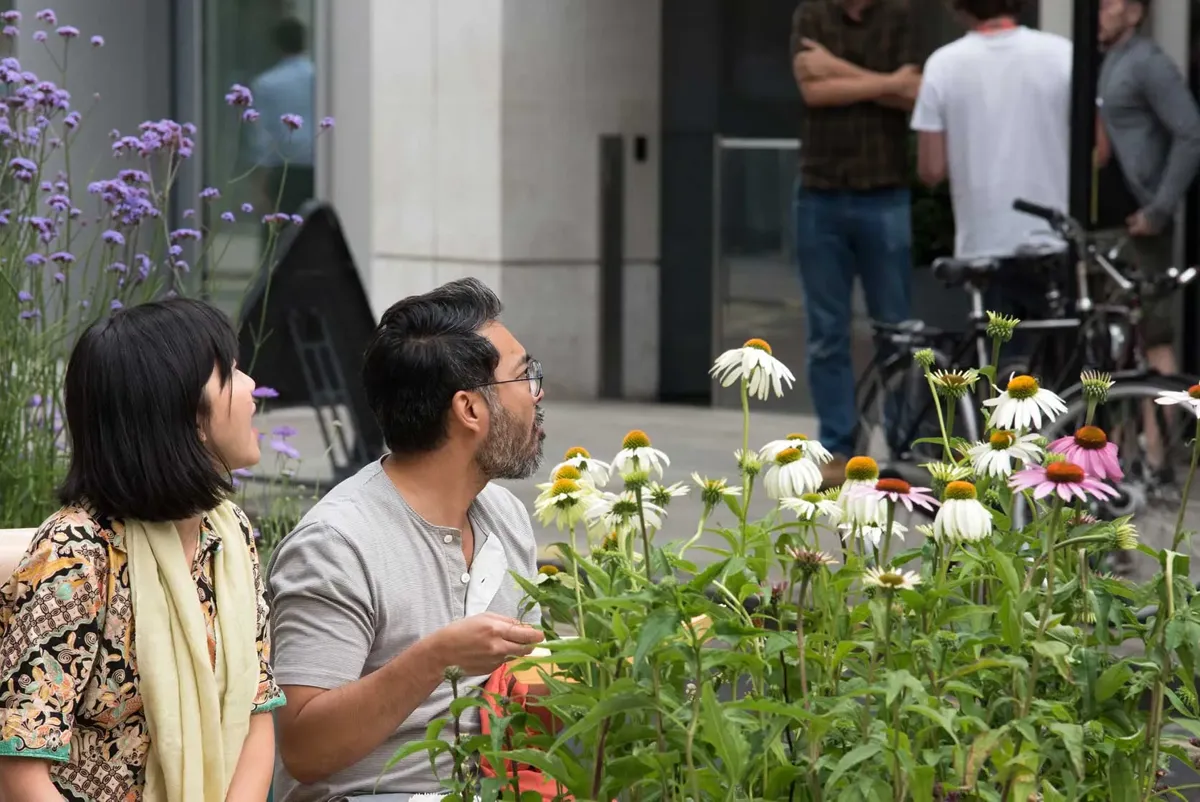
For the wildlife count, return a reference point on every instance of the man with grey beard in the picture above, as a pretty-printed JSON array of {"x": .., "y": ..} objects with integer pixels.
[{"x": 404, "y": 569}]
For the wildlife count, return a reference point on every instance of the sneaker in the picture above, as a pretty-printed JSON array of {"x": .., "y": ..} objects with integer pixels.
[{"x": 833, "y": 473}]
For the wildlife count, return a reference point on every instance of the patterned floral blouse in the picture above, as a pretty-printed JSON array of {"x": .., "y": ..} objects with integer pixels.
[{"x": 68, "y": 671}]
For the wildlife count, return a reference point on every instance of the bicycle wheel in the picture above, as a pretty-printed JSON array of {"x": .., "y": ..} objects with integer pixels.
[
  {"x": 1153, "y": 445},
  {"x": 896, "y": 410}
]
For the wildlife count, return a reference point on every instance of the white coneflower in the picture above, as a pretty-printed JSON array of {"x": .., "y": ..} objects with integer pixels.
[
  {"x": 954, "y": 383},
  {"x": 791, "y": 476},
  {"x": 748, "y": 462},
  {"x": 891, "y": 579},
  {"x": 564, "y": 504},
  {"x": 871, "y": 534},
  {"x": 1189, "y": 398},
  {"x": 591, "y": 470},
  {"x": 858, "y": 509},
  {"x": 995, "y": 457},
  {"x": 810, "y": 506},
  {"x": 714, "y": 491},
  {"x": 1022, "y": 405},
  {"x": 811, "y": 449},
  {"x": 962, "y": 517},
  {"x": 636, "y": 455},
  {"x": 660, "y": 495},
  {"x": 754, "y": 363},
  {"x": 809, "y": 561},
  {"x": 618, "y": 512}
]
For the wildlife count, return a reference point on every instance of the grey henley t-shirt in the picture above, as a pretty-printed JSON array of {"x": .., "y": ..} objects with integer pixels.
[{"x": 361, "y": 579}]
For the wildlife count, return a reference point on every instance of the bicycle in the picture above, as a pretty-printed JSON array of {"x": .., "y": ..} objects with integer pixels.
[{"x": 894, "y": 396}]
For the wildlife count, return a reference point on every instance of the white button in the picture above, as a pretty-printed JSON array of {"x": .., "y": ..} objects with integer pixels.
[
  {"x": 448, "y": 539},
  {"x": 466, "y": 578}
]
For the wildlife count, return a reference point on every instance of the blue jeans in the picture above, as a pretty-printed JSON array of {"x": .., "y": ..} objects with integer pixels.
[{"x": 840, "y": 235}]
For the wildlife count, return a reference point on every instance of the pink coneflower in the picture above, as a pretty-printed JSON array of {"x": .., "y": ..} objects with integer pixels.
[
  {"x": 1089, "y": 449},
  {"x": 1063, "y": 478},
  {"x": 898, "y": 491}
]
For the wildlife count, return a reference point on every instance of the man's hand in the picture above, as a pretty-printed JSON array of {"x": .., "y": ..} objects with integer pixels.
[
  {"x": 1140, "y": 226},
  {"x": 904, "y": 80},
  {"x": 817, "y": 62},
  {"x": 479, "y": 644}
]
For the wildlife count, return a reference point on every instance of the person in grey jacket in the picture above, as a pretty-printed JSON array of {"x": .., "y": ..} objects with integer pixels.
[{"x": 1148, "y": 153}]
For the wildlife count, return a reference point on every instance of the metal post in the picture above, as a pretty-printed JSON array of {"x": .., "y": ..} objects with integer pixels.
[
  {"x": 1086, "y": 34},
  {"x": 612, "y": 265}
]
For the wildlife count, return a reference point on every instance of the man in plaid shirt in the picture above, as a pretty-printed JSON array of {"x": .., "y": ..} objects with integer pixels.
[{"x": 854, "y": 64}]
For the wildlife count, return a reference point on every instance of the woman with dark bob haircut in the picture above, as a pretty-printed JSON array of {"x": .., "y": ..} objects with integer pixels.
[{"x": 134, "y": 662}]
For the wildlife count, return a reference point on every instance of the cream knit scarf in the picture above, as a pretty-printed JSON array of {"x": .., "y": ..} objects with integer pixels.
[{"x": 198, "y": 718}]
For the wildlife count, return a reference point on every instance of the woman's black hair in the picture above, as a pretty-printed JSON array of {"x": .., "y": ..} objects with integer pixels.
[{"x": 134, "y": 398}]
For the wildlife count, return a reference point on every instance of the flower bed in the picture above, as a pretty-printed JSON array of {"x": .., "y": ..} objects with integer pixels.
[{"x": 972, "y": 659}]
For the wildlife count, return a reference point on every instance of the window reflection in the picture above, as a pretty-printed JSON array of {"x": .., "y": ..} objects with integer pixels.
[{"x": 263, "y": 165}]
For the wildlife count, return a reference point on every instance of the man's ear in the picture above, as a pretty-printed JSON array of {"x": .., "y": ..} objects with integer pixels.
[{"x": 468, "y": 409}]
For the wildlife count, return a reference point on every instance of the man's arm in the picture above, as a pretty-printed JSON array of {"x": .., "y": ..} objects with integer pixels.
[
  {"x": 932, "y": 165},
  {"x": 843, "y": 83},
  {"x": 929, "y": 121},
  {"x": 1163, "y": 87}
]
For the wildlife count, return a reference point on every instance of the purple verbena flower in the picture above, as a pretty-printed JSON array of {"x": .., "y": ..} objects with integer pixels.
[
  {"x": 48, "y": 16},
  {"x": 293, "y": 122},
  {"x": 24, "y": 296},
  {"x": 250, "y": 116},
  {"x": 68, "y": 32},
  {"x": 12, "y": 31},
  {"x": 188, "y": 213},
  {"x": 22, "y": 164},
  {"x": 228, "y": 217},
  {"x": 35, "y": 400},
  {"x": 62, "y": 257},
  {"x": 11, "y": 16},
  {"x": 278, "y": 218},
  {"x": 113, "y": 237},
  {"x": 59, "y": 278},
  {"x": 35, "y": 260},
  {"x": 30, "y": 314},
  {"x": 116, "y": 304},
  {"x": 97, "y": 41},
  {"x": 59, "y": 203},
  {"x": 210, "y": 193},
  {"x": 285, "y": 448},
  {"x": 39, "y": 36},
  {"x": 119, "y": 267},
  {"x": 243, "y": 473},
  {"x": 175, "y": 250},
  {"x": 265, "y": 392},
  {"x": 283, "y": 432},
  {"x": 72, "y": 119},
  {"x": 247, "y": 208},
  {"x": 326, "y": 124},
  {"x": 239, "y": 95}
]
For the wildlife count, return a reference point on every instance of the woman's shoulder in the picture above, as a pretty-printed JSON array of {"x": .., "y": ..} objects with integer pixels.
[
  {"x": 243, "y": 522},
  {"x": 80, "y": 524}
]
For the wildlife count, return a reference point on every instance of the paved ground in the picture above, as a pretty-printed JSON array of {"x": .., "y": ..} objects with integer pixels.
[{"x": 695, "y": 438}]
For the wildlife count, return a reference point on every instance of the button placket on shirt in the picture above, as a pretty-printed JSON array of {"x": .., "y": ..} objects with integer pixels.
[{"x": 457, "y": 574}]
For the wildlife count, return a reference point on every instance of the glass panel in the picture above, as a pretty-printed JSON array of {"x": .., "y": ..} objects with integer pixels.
[
  {"x": 758, "y": 291},
  {"x": 266, "y": 46}
]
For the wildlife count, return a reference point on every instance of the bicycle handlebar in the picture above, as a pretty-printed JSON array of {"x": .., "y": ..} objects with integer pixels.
[{"x": 1052, "y": 216}]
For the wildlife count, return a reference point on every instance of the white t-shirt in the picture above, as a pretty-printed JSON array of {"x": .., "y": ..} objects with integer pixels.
[{"x": 1003, "y": 98}]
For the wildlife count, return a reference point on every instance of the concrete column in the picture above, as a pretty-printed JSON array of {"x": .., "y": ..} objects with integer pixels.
[
  {"x": 1056, "y": 16},
  {"x": 468, "y": 144}
]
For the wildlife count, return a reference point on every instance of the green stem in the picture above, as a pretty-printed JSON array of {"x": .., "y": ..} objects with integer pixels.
[
  {"x": 937, "y": 405},
  {"x": 800, "y": 647},
  {"x": 645, "y": 537},
  {"x": 1187, "y": 489},
  {"x": 1154, "y": 731},
  {"x": 996, "y": 343},
  {"x": 887, "y": 533},
  {"x": 578, "y": 588},
  {"x": 695, "y": 537}
]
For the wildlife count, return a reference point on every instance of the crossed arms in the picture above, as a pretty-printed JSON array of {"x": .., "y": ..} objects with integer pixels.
[{"x": 827, "y": 80}]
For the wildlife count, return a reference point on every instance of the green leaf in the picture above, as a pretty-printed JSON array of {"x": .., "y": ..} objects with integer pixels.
[
  {"x": 1111, "y": 680},
  {"x": 921, "y": 782},
  {"x": 658, "y": 626},
  {"x": 1010, "y": 623},
  {"x": 898, "y": 681},
  {"x": 942, "y": 718},
  {"x": 1005, "y": 570},
  {"x": 1180, "y": 631},
  {"x": 608, "y": 706},
  {"x": 854, "y": 757},
  {"x": 1056, "y": 653},
  {"x": 433, "y": 748},
  {"x": 1122, "y": 787},
  {"x": 1072, "y": 738},
  {"x": 725, "y": 736}
]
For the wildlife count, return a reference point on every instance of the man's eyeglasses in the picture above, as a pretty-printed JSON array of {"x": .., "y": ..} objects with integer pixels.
[{"x": 533, "y": 375}]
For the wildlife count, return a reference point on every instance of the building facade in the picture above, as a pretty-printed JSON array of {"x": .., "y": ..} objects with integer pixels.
[{"x": 618, "y": 170}]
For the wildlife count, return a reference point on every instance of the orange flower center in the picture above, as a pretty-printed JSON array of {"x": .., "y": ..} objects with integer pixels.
[
  {"x": 577, "y": 451},
  {"x": 761, "y": 345},
  {"x": 1064, "y": 473},
  {"x": 795, "y": 436},
  {"x": 1002, "y": 440},
  {"x": 893, "y": 486},
  {"x": 636, "y": 439},
  {"x": 563, "y": 486},
  {"x": 568, "y": 472},
  {"x": 861, "y": 469},
  {"x": 1022, "y": 387},
  {"x": 962, "y": 491},
  {"x": 1091, "y": 437},
  {"x": 788, "y": 455},
  {"x": 1194, "y": 391}
]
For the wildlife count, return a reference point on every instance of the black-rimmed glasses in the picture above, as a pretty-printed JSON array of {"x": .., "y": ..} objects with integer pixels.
[{"x": 533, "y": 375}]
